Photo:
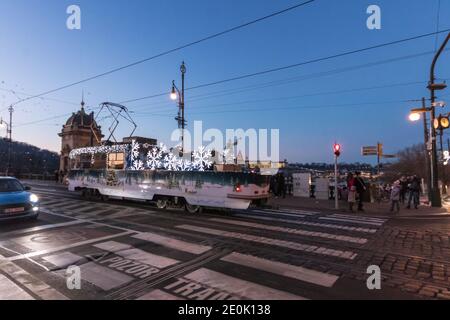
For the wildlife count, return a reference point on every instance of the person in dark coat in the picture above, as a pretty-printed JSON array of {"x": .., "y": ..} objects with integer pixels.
[
  {"x": 360, "y": 189},
  {"x": 403, "y": 189},
  {"x": 281, "y": 185},
  {"x": 414, "y": 192}
]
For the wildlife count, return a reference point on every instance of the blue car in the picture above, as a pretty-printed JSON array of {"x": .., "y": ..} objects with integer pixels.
[{"x": 16, "y": 202}]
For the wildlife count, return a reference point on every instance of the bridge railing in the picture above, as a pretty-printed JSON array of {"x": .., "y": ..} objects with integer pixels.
[{"x": 31, "y": 176}]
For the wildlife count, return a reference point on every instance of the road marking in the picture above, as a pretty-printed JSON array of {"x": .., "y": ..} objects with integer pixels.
[
  {"x": 282, "y": 269},
  {"x": 362, "y": 218},
  {"x": 309, "y": 223},
  {"x": 352, "y": 221},
  {"x": 271, "y": 241},
  {"x": 173, "y": 243},
  {"x": 277, "y": 213},
  {"x": 73, "y": 245},
  {"x": 299, "y": 211},
  {"x": 238, "y": 287},
  {"x": 63, "y": 260},
  {"x": 136, "y": 254},
  {"x": 27, "y": 280},
  {"x": 103, "y": 277},
  {"x": 158, "y": 295},
  {"x": 11, "y": 291},
  {"x": 292, "y": 211},
  {"x": 40, "y": 228},
  {"x": 292, "y": 231}
]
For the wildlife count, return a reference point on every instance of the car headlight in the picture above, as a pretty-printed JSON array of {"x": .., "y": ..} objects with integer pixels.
[{"x": 34, "y": 198}]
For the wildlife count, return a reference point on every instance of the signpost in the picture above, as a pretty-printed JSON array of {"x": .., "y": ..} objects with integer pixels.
[{"x": 376, "y": 151}]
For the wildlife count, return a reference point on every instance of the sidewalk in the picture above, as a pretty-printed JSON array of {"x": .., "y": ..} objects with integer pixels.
[{"x": 370, "y": 209}]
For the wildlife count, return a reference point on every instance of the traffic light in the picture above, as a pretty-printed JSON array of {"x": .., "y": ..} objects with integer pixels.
[{"x": 337, "y": 149}]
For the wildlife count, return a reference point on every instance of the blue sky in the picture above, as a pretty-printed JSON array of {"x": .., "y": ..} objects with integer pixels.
[{"x": 312, "y": 105}]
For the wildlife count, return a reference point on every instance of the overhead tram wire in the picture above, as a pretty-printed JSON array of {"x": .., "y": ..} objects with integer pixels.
[
  {"x": 295, "y": 97},
  {"x": 287, "y": 80},
  {"x": 282, "y": 81},
  {"x": 216, "y": 35},
  {"x": 296, "y": 65},
  {"x": 305, "y": 107},
  {"x": 293, "y": 65}
]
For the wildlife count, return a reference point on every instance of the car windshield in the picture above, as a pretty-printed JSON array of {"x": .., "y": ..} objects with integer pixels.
[{"x": 10, "y": 185}]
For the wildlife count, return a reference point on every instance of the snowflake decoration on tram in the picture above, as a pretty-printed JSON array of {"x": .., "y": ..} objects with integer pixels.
[
  {"x": 154, "y": 158},
  {"x": 202, "y": 158},
  {"x": 185, "y": 165},
  {"x": 136, "y": 162},
  {"x": 171, "y": 162}
]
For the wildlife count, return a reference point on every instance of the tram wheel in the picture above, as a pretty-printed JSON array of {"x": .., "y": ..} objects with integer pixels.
[
  {"x": 192, "y": 208},
  {"x": 162, "y": 203}
]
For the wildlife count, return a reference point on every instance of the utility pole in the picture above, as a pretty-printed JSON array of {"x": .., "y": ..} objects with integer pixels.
[
  {"x": 427, "y": 152},
  {"x": 174, "y": 94},
  {"x": 9, "y": 133},
  {"x": 183, "y": 122},
  {"x": 436, "y": 197}
]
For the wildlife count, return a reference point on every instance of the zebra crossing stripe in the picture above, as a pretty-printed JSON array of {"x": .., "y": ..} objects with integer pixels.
[
  {"x": 277, "y": 213},
  {"x": 65, "y": 247},
  {"x": 378, "y": 224},
  {"x": 173, "y": 243},
  {"x": 102, "y": 277},
  {"x": 63, "y": 260},
  {"x": 238, "y": 287},
  {"x": 282, "y": 269},
  {"x": 309, "y": 223},
  {"x": 297, "y": 211},
  {"x": 131, "y": 253},
  {"x": 362, "y": 218},
  {"x": 40, "y": 228},
  {"x": 158, "y": 295},
  {"x": 292, "y": 231},
  {"x": 271, "y": 241},
  {"x": 11, "y": 291},
  {"x": 29, "y": 281}
]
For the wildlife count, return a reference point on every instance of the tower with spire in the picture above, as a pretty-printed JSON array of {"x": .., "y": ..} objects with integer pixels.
[{"x": 77, "y": 132}]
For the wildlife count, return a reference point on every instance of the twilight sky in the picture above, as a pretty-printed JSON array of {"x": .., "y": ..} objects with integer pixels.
[{"x": 357, "y": 100}]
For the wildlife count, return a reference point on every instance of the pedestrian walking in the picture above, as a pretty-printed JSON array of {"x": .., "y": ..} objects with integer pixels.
[
  {"x": 351, "y": 187},
  {"x": 360, "y": 189},
  {"x": 395, "y": 196},
  {"x": 56, "y": 176},
  {"x": 281, "y": 185}
]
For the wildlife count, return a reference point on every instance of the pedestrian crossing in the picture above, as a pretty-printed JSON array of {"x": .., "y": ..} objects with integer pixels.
[{"x": 254, "y": 254}]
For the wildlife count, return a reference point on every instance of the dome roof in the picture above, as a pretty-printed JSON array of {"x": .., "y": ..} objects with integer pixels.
[{"x": 81, "y": 118}]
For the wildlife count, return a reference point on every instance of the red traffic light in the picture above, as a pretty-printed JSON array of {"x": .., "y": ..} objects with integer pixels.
[{"x": 337, "y": 149}]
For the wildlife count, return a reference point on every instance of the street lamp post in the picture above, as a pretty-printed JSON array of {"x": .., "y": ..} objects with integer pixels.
[
  {"x": 436, "y": 197},
  {"x": 9, "y": 137},
  {"x": 176, "y": 93}
]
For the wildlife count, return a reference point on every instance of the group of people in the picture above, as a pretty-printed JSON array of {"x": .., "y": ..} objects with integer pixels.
[
  {"x": 356, "y": 190},
  {"x": 59, "y": 176},
  {"x": 405, "y": 187},
  {"x": 281, "y": 185}
]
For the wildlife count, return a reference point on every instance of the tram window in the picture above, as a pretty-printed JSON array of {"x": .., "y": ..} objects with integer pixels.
[{"x": 116, "y": 160}]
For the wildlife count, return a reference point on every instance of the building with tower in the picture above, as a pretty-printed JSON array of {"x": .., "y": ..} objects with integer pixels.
[{"x": 79, "y": 131}]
